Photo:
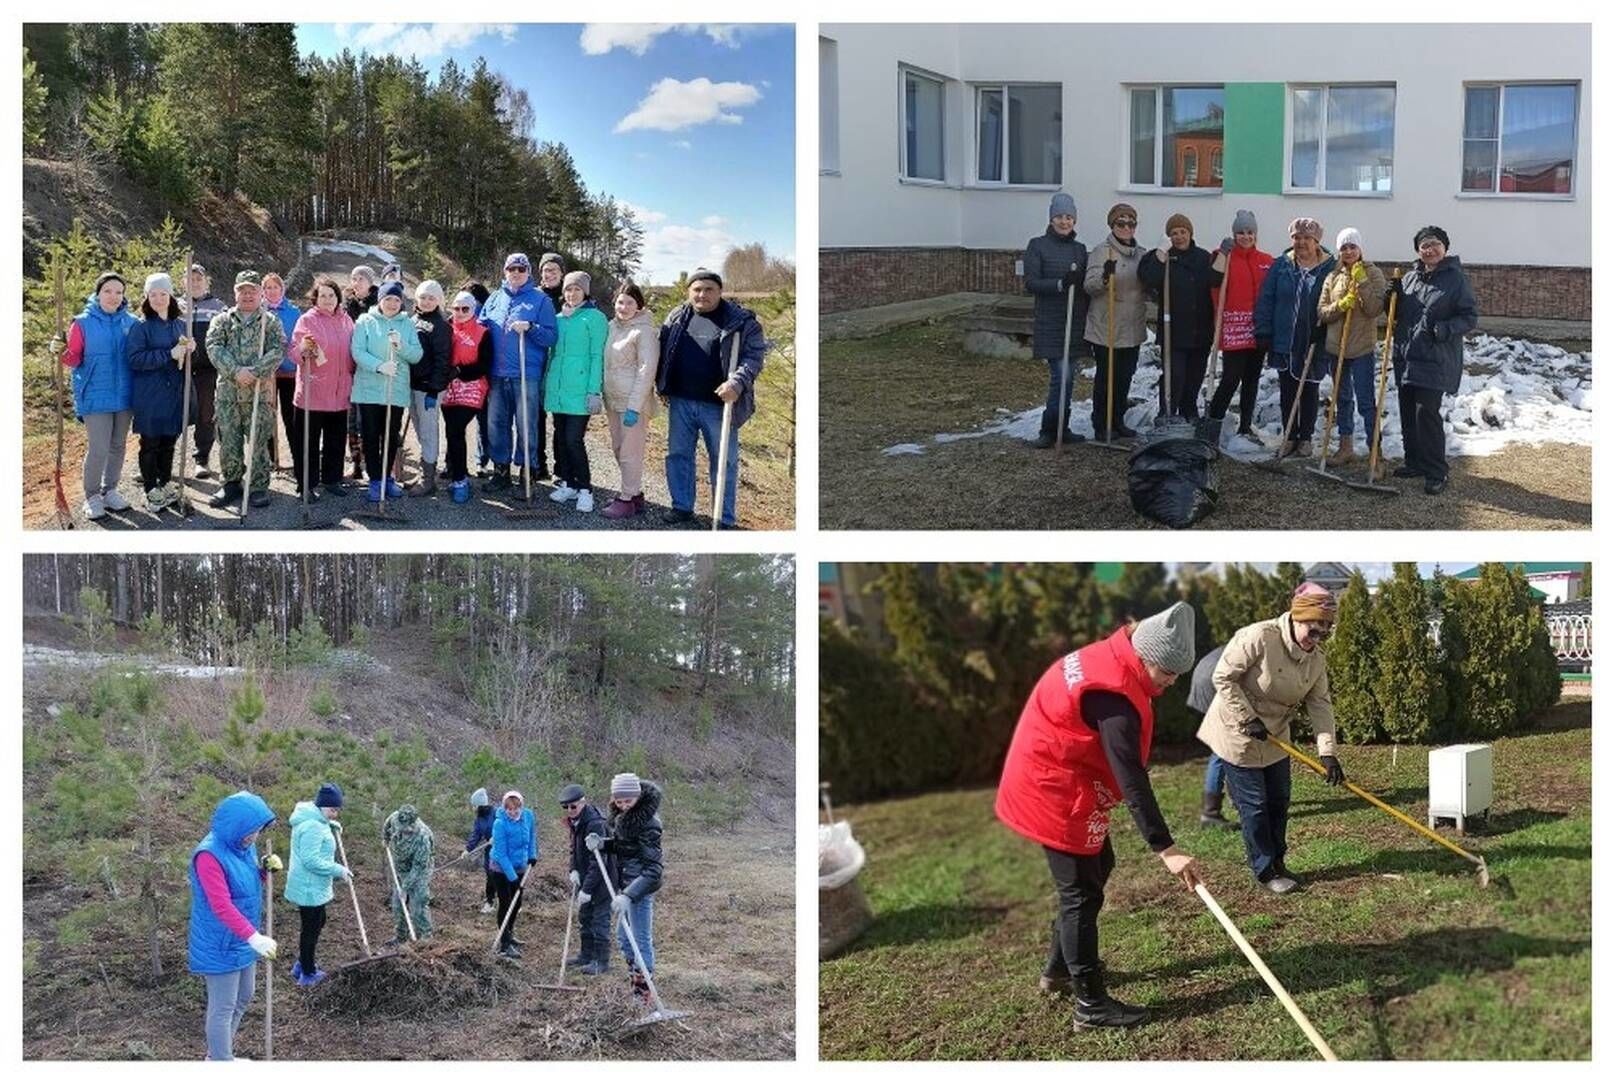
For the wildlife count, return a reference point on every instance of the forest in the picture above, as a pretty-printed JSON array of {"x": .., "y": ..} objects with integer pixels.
[{"x": 353, "y": 141}]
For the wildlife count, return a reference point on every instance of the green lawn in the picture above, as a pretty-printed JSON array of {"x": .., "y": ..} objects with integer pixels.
[{"x": 1392, "y": 951}]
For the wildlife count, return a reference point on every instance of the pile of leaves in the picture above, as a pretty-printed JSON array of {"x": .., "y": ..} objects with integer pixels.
[{"x": 416, "y": 982}]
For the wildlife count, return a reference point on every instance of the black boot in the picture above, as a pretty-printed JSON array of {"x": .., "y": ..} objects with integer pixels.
[
  {"x": 1093, "y": 1007},
  {"x": 227, "y": 495},
  {"x": 501, "y": 480},
  {"x": 1282, "y": 870},
  {"x": 1211, "y": 812}
]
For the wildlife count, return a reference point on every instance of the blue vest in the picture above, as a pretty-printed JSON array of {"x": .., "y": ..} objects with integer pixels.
[
  {"x": 213, "y": 948},
  {"x": 102, "y": 382}
]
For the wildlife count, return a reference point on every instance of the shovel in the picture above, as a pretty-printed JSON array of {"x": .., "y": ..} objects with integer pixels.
[
  {"x": 1111, "y": 367},
  {"x": 1478, "y": 861},
  {"x": 63, "y": 511},
  {"x": 1066, "y": 375},
  {"x": 512, "y": 907},
  {"x": 1321, "y": 468},
  {"x": 1375, "y": 456},
  {"x": 1275, "y": 463},
  {"x": 658, "y": 1013},
  {"x": 381, "y": 514},
  {"x": 366, "y": 947}
]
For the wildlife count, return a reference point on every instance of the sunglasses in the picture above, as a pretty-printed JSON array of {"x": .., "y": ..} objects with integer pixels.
[
  {"x": 1430, "y": 243},
  {"x": 574, "y": 806},
  {"x": 519, "y": 271},
  {"x": 1123, "y": 223},
  {"x": 461, "y": 309}
]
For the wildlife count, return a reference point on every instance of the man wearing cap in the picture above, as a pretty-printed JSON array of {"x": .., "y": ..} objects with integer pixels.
[
  {"x": 514, "y": 851},
  {"x": 1188, "y": 268},
  {"x": 206, "y": 306},
  {"x": 1267, "y": 672},
  {"x": 1081, "y": 745},
  {"x": 583, "y": 875},
  {"x": 1052, "y": 269},
  {"x": 696, "y": 378},
  {"x": 410, "y": 844},
  {"x": 245, "y": 361},
  {"x": 524, "y": 325},
  {"x": 482, "y": 832},
  {"x": 1287, "y": 328}
]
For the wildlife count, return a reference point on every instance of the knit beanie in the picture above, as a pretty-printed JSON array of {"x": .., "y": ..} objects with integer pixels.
[
  {"x": 700, "y": 274},
  {"x": 625, "y": 785},
  {"x": 391, "y": 271},
  {"x": 1305, "y": 225},
  {"x": 480, "y": 798},
  {"x": 1244, "y": 220},
  {"x": 1167, "y": 639},
  {"x": 576, "y": 279},
  {"x": 391, "y": 289},
  {"x": 1178, "y": 219},
  {"x": 361, "y": 271},
  {"x": 329, "y": 796},
  {"x": 105, "y": 277},
  {"x": 553, "y": 258},
  {"x": 1062, "y": 204},
  {"x": 1349, "y": 237},
  {"x": 1312, "y": 603},
  {"x": 465, "y": 297},
  {"x": 1430, "y": 231},
  {"x": 158, "y": 281},
  {"x": 431, "y": 288},
  {"x": 571, "y": 794},
  {"x": 1121, "y": 208}
]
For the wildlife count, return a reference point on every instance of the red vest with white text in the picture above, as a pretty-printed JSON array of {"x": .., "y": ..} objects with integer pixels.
[{"x": 464, "y": 351}]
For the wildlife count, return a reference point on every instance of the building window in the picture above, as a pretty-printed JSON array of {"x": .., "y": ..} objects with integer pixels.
[
  {"x": 1216, "y": 167},
  {"x": 922, "y": 126},
  {"x": 1170, "y": 128},
  {"x": 828, "y": 105},
  {"x": 1343, "y": 139},
  {"x": 1519, "y": 139},
  {"x": 1019, "y": 135}
]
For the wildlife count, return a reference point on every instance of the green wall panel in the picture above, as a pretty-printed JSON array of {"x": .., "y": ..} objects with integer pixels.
[{"x": 1252, "y": 137}]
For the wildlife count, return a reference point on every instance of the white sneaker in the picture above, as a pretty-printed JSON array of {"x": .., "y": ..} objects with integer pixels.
[
  {"x": 95, "y": 508},
  {"x": 487, "y": 909},
  {"x": 562, "y": 493},
  {"x": 156, "y": 499},
  {"x": 115, "y": 501},
  {"x": 585, "y": 501}
]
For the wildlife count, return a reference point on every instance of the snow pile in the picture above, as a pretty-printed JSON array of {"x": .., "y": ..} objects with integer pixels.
[
  {"x": 35, "y": 656},
  {"x": 1513, "y": 391},
  {"x": 360, "y": 249}
]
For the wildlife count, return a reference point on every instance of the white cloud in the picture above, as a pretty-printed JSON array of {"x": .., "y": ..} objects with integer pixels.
[
  {"x": 644, "y": 216},
  {"x": 423, "y": 40},
  {"x": 598, "y": 38},
  {"x": 674, "y": 105},
  {"x": 676, "y": 248},
  {"x": 714, "y": 221},
  {"x": 682, "y": 144}
]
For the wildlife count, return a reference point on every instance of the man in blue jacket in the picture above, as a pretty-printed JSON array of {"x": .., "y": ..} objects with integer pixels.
[
  {"x": 696, "y": 377},
  {"x": 524, "y": 326}
]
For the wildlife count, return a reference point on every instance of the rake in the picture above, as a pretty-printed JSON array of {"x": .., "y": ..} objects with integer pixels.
[
  {"x": 566, "y": 947},
  {"x": 1111, "y": 368},
  {"x": 63, "y": 511},
  {"x": 338, "y": 839},
  {"x": 659, "y": 1013},
  {"x": 381, "y": 513},
  {"x": 1066, "y": 374},
  {"x": 1375, "y": 455},
  {"x": 1332, "y": 413}
]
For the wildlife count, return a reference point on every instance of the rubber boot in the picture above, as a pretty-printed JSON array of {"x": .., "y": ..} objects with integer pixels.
[
  {"x": 429, "y": 482},
  {"x": 641, "y": 989},
  {"x": 1211, "y": 812},
  {"x": 1346, "y": 452},
  {"x": 1092, "y": 1007}
]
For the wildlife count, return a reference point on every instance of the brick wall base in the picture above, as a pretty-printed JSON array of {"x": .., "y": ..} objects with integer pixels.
[{"x": 858, "y": 278}]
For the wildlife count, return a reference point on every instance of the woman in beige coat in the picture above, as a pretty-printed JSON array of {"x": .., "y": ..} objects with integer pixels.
[
  {"x": 1118, "y": 256},
  {"x": 1355, "y": 289},
  {"x": 1267, "y": 672},
  {"x": 628, "y": 386}
]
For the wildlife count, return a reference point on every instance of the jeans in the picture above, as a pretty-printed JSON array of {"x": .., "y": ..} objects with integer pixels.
[
  {"x": 1214, "y": 775},
  {"x": 426, "y": 422},
  {"x": 1262, "y": 796},
  {"x": 1355, "y": 390},
  {"x": 687, "y": 421},
  {"x": 572, "y": 457},
  {"x": 1080, "y": 893},
  {"x": 227, "y": 996},
  {"x": 507, "y": 407},
  {"x": 108, "y": 443},
  {"x": 1127, "y": 357},
  {"x": 483, "y": 439},
  {"x": 1241, "y": 371},
  {"x": 640, "y": 916},
  {"x": 311, "y": 923},
  {"x": 1422, "y": 431},
  {"x": 1047, "y": 423}
]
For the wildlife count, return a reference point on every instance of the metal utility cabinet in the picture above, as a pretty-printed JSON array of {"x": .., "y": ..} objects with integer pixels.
[{"x": 1460, "y": 782}]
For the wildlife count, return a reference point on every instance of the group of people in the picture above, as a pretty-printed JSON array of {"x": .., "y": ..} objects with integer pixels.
[
  {"x": 1295, "y": 312},
  {"x": 615, "y": 866},
  {"x": 347, "y": 370},
  {"x": 1083, "y": 742}
]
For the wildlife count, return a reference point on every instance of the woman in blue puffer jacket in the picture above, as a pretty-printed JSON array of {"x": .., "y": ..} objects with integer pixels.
[
  {"x": 313, "y": 869},
  {"x": 96, "y": 350},
  {"x": 157, "y": 348},
  {"x": 514, "y": 852}
]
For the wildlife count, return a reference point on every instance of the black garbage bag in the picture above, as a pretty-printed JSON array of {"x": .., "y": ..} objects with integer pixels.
[{"x": 1173, "y": 477}]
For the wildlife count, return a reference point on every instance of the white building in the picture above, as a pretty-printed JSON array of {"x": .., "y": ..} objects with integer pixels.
[{"x": 941, "y": 144}]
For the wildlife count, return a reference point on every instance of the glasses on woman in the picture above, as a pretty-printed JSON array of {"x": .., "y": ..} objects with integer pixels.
[
  {"x": 518, "y": 271},
  {"x": 1429, "y": 243},
  {"x": 1122, "y": 223},
  {"x": 462, "y": 309}
]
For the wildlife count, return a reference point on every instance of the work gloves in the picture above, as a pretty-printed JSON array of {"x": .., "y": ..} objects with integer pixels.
[
  {"x": 1226, "y": 247},
  {"x": 1332, "y": 773},
  {"x": 421, "y": 324},
  {"x": 271, "y": 862},
  {"x": 592, "y": 842},
  {"x": 520, "y": 326},
  {"x": 592, "y": 404},
  {"x": 348, "y": 875},
  {"x": 1109, "y": 270},
  {"x": 263, "y": 945},
  {"x": 1256, "y": 728},
  {"x": 630, "y": 418},
  {"x": 1396, "y": 287},
  {"x": 572, "y": 878},
  {"x": 1073, "y": 271},
  {"x": 1346, "y": 303},
  {"x": 621, "y": 903},
  {"x": 584, "y": 898},
  {"x": 1359, "y": 272},
  {"x": 430, "y": 401},
  {"x": 388, "y": 368}
]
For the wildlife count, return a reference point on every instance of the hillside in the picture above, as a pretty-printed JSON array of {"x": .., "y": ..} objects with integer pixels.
[{"x": 391, "y": 727}]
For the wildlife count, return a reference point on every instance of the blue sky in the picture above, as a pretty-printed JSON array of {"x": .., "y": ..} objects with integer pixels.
[{"x": 692, "y": 125}]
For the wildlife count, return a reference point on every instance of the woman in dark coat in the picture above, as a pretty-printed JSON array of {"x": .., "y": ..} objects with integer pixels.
[
  {"x": 1052, "y": 267},
  {"x": 1192, "y": 311},
  {"x": 632, "y": 851},
  {"x": 157, "y": 347},
  {"x": 1435, "y": 311},
  {"x": 1287, "y": 329}
]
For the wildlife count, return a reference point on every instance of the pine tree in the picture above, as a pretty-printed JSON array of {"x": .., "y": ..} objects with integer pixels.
[
  {"x": 35, "y": 105},
  {"x": 1410, "y": 685},
  {"x": 1353, "y": 666}
]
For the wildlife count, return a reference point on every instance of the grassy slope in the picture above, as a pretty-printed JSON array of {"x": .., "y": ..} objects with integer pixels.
[
  {"x": 1392, "y": 952},
  {"x": 907, "y": 385}
]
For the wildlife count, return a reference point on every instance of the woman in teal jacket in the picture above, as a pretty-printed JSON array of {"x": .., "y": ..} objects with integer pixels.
[
  {"x": 572, "y": 387},
  {"x": 383, "y": 339},
  {"x": 313, "y": 869}
]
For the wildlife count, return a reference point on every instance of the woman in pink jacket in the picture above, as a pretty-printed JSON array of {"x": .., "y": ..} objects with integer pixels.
[{"x": 324, "y": 370}]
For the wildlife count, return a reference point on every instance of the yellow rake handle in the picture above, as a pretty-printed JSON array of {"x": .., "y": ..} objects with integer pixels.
[{"x": 1375, "y": 802}]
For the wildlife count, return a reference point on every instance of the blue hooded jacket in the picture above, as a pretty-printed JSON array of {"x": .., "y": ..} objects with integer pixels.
[
  {"x": 482, "y": 830},
  {"x": 515, "y": 841},
  {"x": 157, "y": 396},
  {"x": 1286, "y": 313},
  {"x": 288, "y": 316},
  {"x": 102, "y": 382},
  {"x": 213, "y": 948},
  {"x": 505, "y": 307}
]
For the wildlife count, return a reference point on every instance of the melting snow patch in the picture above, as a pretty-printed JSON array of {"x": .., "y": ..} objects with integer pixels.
[
  {"x": 360, "y": 249},
  {"x": 1515, "y": 391},
  {"x": 34, "y": 656}
]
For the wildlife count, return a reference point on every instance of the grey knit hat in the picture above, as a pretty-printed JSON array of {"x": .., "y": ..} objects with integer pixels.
[
  {"x": 553, "y": 258},
  {"x": 576, "y": 279},
  {"x": 625, "y": 785},
  {"x": 1167, "y": 639},
  {"x": 1244, "y": 220},
  {"x": 480, "y": 798},
  {"x": 1062, "y": 204}
]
